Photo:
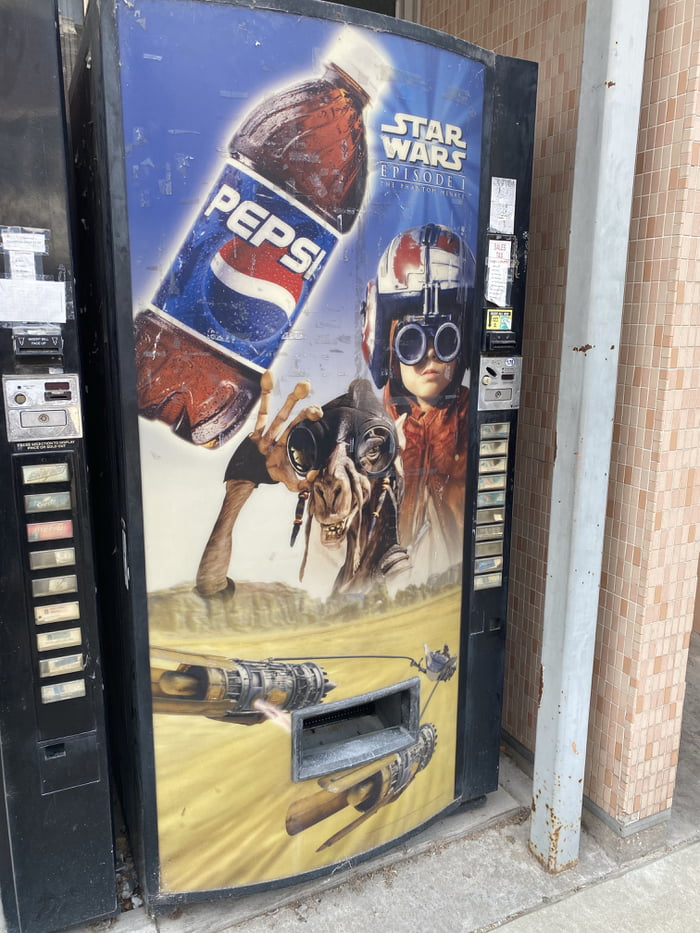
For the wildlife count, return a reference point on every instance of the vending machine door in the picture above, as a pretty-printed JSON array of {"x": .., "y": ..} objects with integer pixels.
[
  {"x": 56, "y": 852},
  {"x": 287, "y": 254}
]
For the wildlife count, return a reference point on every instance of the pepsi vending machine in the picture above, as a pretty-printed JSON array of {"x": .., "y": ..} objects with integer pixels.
[
  {"x": 308, "y": 235},
  {"x": 56, "y": 851}
]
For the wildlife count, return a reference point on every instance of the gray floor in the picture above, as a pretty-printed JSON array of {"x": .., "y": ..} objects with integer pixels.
[{"x": 472, "y": 873}]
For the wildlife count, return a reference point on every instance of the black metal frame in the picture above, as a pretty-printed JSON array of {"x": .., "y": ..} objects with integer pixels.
[{"x": 56, "y": 843}]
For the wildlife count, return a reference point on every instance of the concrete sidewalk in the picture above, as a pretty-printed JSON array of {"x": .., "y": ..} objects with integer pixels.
[
  {"x": 659, "y": 896},
  {"x": 468, "y": 873}
]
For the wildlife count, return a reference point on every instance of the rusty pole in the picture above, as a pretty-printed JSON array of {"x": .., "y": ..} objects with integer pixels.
[{"x": 608, "y": 123}]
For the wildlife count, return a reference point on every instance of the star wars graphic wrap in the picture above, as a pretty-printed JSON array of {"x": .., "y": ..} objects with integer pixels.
[{"x": 264, "y": 192}]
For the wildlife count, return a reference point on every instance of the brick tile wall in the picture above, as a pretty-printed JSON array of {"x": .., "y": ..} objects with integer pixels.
[{"x": 649, "y": 573}]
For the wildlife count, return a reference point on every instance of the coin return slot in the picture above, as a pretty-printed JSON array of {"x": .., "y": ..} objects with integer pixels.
[
  {"x": 72, "y": 760},
  {"x": 334, "y": 736}
]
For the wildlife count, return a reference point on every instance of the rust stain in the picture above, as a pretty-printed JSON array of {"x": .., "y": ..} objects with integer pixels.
[
  {"x": 540, "y": 687},
  {"x": 555, "y": 829},
  {"x": 610, "y": 84},
  {"x": 584, "y": 349}
]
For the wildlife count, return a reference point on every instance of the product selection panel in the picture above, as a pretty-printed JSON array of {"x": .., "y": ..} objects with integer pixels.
[
  {"x": 494, "y": 443},
  {"x": 43, "y": 417},
  {"x": 47, "y": 496}
]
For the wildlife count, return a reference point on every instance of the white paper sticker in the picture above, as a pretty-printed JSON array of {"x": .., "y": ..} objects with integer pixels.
[
  {"x": 502, "y": 214},
  {"x": 32, "y": 302},
  {"x": 24, "y": 241},
  {"x": 22, "y": 265},
  {"x": 498, "y": 268}
]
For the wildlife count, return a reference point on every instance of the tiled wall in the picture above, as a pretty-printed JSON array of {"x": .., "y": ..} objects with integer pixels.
[
  {"x": 649, "y": 573},
  {"x": 650, "y": 563}
]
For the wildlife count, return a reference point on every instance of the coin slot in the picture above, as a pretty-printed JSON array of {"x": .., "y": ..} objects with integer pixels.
[{"x": 57, "y": 392}]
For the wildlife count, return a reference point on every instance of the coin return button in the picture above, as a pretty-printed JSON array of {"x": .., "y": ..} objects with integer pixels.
[{"x": 43, "y": 419}]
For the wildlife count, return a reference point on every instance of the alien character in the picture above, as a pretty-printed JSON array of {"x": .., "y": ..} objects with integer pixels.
[
  {"x": 342, "y": 461},
  {"x": 414, "y": 327}
]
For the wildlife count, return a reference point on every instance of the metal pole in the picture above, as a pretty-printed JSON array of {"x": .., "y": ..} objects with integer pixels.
[{"x": 611, "y": 82}]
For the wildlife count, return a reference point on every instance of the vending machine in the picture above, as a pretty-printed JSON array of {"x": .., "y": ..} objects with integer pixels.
[
  {"x": 308, "y": 234},
  {"x": 56, "y": 851}
]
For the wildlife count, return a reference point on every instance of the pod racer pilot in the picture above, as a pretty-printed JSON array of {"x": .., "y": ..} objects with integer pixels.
[{"x": 414, "y": 327}]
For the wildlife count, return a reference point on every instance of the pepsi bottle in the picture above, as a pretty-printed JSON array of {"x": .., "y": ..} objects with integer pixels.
[{"x": 293, "y": 183}]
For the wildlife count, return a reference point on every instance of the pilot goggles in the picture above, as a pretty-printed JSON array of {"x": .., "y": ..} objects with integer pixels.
[
  {"x": 411, "y": 340},
  {"x": 371, "y": 442}
]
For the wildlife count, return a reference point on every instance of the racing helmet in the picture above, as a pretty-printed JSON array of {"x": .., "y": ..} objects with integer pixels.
[{"x": 421, "y": 293}]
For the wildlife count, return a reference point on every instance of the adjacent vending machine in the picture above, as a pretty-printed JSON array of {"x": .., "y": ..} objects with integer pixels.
[
  {"x": 56, "y": 851},
  {"x": 308, "y": 234}
]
